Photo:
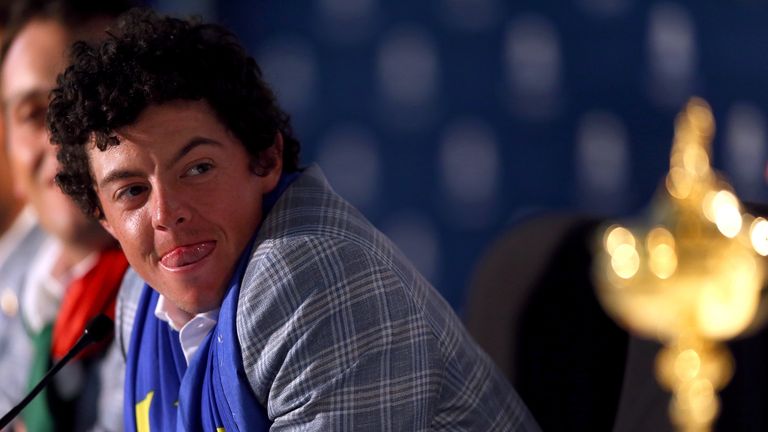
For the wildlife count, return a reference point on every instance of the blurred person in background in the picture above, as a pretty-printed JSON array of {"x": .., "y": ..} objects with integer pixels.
[
  {"x": 20, "y": 237},
  {"x": 267, "y": 301},
  {"x": 75, "y": 272}
]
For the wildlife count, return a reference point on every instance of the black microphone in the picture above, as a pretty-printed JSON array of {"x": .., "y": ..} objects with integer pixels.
[{"x": 97, "y": 330}]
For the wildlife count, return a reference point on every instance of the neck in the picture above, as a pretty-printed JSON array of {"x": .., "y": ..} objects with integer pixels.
[{"x": 69, "y": 257}]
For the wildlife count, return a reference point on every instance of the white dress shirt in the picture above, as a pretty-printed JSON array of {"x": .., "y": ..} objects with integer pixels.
[
  {"x": 192, "y": 333},
  {"x": 43, "y": 291}
]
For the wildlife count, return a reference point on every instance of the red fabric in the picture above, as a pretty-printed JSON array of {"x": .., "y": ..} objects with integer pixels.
[{"x": 87, "y": 297}]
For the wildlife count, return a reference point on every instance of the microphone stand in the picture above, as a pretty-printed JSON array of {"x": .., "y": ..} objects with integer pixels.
[{"x": 98, "y": 329}]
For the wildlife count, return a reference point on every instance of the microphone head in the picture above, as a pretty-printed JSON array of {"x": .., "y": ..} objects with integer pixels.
[{"x": 99, "y": 328}]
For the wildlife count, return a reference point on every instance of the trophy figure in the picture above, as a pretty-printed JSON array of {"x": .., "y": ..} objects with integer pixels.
[{"x": 689, "y": 275}]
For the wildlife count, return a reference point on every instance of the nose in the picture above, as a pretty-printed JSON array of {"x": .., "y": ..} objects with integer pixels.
[
  {"x": 46, "y": 157},
  {"x": 169, "y": 209},
  {"x": 41, "y": 157}
]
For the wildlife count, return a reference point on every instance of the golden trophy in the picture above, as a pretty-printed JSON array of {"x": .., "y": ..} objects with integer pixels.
[{"x": 690, "y": 275}]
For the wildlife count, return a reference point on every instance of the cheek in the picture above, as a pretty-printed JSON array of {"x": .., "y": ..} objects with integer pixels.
[
  {"x": 19, "y": 177},
  {"x": 140, "y": 232},
  {"x": 132, "y": 233},
  {"x": 20, "y": 159},
  {"x": 247, "y": 219}
]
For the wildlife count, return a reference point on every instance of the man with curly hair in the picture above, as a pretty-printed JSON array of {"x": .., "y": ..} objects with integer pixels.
[{"x": 264, "y": 300}]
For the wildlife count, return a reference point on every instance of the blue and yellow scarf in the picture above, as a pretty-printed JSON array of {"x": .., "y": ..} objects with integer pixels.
[{"x": 212, "y": 394}]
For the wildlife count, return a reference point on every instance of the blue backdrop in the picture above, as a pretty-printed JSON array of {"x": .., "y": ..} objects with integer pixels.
[{"x": 446, "y": 121}]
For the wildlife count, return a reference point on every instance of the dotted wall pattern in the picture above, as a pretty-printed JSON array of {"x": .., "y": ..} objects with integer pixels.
[{"x": 447, "y": 121}]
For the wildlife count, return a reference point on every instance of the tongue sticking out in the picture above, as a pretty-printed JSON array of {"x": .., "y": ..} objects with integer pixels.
[{"x": 186, "y": 255}]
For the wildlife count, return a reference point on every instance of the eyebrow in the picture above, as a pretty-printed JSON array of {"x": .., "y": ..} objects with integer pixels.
[
  {"x": 191, "y": 145},
  {"x": 195, "y": 142},
  {"x": 116, "y": 175}
]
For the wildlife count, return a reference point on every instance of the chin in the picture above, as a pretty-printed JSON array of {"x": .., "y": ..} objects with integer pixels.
[
  {"x": 62, "y": 229},
  {"x": 197, "y": 299},
  {"x": 194, "y": 308}
]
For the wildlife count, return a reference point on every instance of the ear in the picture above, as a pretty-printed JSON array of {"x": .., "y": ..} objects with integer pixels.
[{"x": 274, "y": 152}]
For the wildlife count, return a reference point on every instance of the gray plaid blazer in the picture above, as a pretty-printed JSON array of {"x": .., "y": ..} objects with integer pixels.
[{"x": 339, "y": 331}]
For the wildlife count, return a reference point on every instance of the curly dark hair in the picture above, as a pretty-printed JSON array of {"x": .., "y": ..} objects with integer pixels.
[{"x": 150, "y": 60}]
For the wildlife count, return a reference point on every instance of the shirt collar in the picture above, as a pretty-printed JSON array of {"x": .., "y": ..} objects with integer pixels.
[
  {"x": 176, "y": 318},
  {"x": 193, "y": 332}
]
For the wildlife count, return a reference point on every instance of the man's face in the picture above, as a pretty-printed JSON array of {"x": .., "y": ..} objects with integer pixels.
[
  {"x": 28, "y": 74},
  {"x": 179, "y": 195}
]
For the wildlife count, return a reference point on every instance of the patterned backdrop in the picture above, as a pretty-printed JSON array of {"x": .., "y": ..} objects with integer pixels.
[{"x": 447, "y": 121}]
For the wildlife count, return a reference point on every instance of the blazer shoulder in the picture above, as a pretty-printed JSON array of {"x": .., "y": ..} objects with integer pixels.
[
  {"x": 304, "y": 261},
  {"x": 311, "y": 294}
]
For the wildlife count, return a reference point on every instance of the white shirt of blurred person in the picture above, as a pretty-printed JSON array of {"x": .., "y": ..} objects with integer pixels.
[{"x": 75, "y": 243}]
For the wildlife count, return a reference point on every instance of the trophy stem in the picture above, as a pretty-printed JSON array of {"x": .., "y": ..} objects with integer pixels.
[{"x": 694, "y": 370}]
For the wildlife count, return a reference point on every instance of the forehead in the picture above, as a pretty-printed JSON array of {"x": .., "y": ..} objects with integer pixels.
[
  {"x": 162, "y": 133},
  {"x": 174, "y": 123},
  {"x": 34, "y": 59}
]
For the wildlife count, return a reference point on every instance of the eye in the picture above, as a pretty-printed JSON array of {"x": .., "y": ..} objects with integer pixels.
[
  {"x": 130, "y": 192},
  {"x": 198, "y": 169},
  {"x": 32, "y": 114}
]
